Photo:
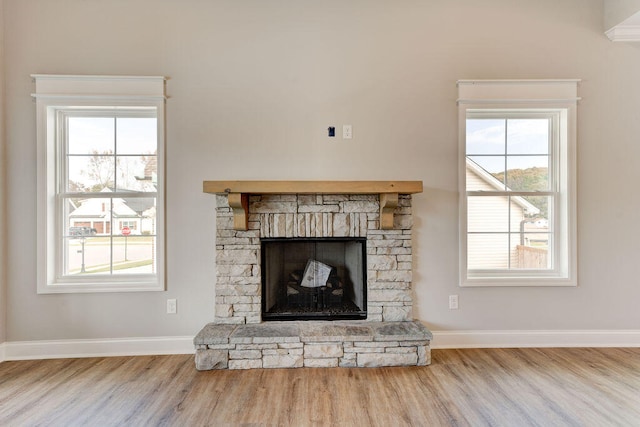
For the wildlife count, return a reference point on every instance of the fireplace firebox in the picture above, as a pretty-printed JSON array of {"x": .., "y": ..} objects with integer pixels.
[{"x": 314, "y": 278}]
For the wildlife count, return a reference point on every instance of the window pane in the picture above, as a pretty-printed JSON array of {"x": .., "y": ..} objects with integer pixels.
[
  {"x": 488, "y": 213},
  {"x": 147, "y": 209},
  {"x": 485, "y": 136},
  {"x": 88, "y": 255},
  {"x": 90, "y": 173},
  {"x": 124, "y": 215},
  {"x": 92, "y": 213},
  {"x": 134, "y": 254},
  {"x": 137, "y": 135},
  {"x": 528, "y": 173},
  {"x": 531, "y": 251},
  {"x": 137, "y": 173},
  {"x": 95, "y": 241},
  {"x": 488, "y": 251},
  {"x": 88, "y": 135},
  {"x": 528, "y": 136},
  {"x": 538, "y": 208},
  {"x": 488, "y": 171}
]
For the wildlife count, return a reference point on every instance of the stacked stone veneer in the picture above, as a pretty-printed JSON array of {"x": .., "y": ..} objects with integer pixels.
[
  {"x": 389, "y": 258},
  {"x": 389, "y": 337}
]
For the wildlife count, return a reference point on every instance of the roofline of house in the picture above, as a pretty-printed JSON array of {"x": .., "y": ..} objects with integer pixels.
[{"x": 498, "y": 185}]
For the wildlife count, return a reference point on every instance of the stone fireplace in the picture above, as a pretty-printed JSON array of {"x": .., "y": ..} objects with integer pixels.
[{"x": 326, "y": 223}]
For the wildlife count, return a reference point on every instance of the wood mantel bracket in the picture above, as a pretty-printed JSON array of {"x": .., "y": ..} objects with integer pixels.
[
  {"x": 238, "y": 193},
  {"x": 239, "y": 203},
  {"x": 388, "y": 204}
]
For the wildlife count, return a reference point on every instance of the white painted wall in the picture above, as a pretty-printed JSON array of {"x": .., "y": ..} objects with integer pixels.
[
  {"x": 253, "y": 86},
  {"x": 3, "y": 194}
]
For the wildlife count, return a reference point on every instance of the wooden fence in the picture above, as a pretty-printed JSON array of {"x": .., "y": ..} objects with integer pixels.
[{"x": 530, "y": 257}]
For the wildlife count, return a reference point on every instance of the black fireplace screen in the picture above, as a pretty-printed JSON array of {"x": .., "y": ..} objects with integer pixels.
[{"x": 319, "y": 278}]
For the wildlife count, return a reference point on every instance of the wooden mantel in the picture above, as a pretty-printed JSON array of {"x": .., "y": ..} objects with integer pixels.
[{"x": 239, "y": 191}]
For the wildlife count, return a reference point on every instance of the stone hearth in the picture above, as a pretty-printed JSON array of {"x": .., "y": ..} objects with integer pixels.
[
  {"x": 312, "y": 344},
  {"x": 239, "y": 339}
]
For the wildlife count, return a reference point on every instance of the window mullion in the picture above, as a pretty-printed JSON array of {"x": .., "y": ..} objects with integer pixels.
[
  {"x": 115, "y": 154},
  {"x": 511, "y": 193},
  {"x": 113, "y": 223},
  {"x": 508, "y": 231},
  {"x": 506, "y": 152},
  {"x": 115, "y": 189}
]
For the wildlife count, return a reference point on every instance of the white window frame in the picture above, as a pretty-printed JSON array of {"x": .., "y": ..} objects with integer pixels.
[
  {"x": 54, "y": 95},
  {"x": 510, "y": 98}
]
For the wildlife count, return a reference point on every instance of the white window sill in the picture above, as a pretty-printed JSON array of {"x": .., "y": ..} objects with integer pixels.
[
  {"x": 518, "y": 282},
  {"x": 62, "y": 287}
]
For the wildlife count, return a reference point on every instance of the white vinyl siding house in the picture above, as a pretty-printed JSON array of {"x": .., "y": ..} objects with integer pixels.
[
  {"x": 493, "y": 213},
  {"x": 105, "y": 215}
]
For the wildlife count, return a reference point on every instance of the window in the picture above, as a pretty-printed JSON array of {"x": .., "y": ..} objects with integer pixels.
[
  {"x": 100, "y": 183},
  {"x": 517, "y": 183}
]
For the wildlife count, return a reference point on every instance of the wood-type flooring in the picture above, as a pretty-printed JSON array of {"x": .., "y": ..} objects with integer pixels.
[{"x": 471, "y": 387}]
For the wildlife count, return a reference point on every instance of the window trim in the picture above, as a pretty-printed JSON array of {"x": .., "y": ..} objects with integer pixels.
[
  {"x": 549, "y": 96},
  {"x": 57, "y": 93}
]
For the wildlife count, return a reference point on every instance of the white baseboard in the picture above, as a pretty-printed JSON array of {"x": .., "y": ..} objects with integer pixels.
[
  {"x": 59, "y": 349},
  {"x": 24, "y": 350},
  {"x": 508, "y": 339}
]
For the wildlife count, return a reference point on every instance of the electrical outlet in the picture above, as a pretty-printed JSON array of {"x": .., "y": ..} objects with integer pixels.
[
  {"x": 453, "y": 302},
  {"x": 172, "y": 306},
  {"x": 347, "y": 132}
]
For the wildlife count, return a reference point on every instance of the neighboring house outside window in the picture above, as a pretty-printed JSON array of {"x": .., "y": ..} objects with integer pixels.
[
  {"x": 491, "y": 250},
  {"x": 517, "y": 182},
  {"x": 100, "y": 183}
]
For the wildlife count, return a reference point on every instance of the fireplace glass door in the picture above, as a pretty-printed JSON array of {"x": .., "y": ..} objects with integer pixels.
[{"x": 314, "y": 279}]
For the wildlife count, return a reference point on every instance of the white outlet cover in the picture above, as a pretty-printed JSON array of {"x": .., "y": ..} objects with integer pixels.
[
  {"x": 453, "y": 302},
  {"x": 172, "y": 306},
  {"x": 347, "y": 132}
]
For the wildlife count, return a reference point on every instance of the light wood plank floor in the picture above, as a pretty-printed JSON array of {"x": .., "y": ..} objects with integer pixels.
[{"x": 479, "y": 387}]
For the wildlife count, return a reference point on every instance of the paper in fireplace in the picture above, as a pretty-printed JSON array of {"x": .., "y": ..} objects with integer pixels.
[{"x": 315, "y": 274}]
